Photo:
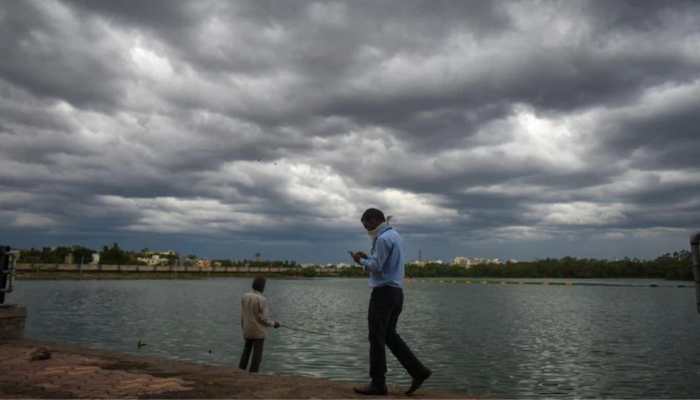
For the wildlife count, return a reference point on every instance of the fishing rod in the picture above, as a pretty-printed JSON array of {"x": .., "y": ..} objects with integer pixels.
[
  {"x": 141, "y": 343},
  {"x": 292, "y": 328}
]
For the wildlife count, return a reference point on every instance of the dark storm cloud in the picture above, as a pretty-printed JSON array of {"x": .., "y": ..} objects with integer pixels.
[
  {"x": 664, "y": 134},
  {"x": 157, "y": 14},
  {"x": 246, "y": 121},
  {"x": 45, "y": 54}
]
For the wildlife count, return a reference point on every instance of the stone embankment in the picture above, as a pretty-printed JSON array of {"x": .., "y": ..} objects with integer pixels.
[
  {"x": 140, "y": 268},
  {"x": 155, "y": 271},
  {"x": 30, "y": 369}
]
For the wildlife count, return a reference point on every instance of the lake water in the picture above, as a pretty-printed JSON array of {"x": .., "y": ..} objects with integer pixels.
[{"x": 483, "y": 340}]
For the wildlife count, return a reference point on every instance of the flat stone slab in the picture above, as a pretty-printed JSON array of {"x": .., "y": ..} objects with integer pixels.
[
  {"x": 12, "y": 319},
  {"x": 78, "y": 372}
]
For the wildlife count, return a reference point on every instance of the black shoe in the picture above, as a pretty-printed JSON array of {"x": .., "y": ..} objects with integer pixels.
[
  {"x": 417, "y": 382},
  {"x": 371, "y": 390}
]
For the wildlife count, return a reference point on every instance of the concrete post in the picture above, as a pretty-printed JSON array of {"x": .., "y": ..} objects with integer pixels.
[
  {"x": 12, "y": 316},
  {"x": 695, "y": 254},
  {"x": 4, "y": 271}
]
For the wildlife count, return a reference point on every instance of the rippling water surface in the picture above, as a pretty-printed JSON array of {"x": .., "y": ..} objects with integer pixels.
[{"x": 484, "y": 340}]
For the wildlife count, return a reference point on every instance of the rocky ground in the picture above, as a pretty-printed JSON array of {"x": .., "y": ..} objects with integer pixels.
[{"x": 48, "y": 370}]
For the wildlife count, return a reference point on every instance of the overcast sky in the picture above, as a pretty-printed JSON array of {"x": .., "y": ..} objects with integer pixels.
[{"x": 502, "y": 129}]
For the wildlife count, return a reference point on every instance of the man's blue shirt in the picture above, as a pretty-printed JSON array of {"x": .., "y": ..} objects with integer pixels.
[{"x": 385, "y": 262}]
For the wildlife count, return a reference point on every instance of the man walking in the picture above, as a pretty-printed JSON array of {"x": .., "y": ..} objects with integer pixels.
[
  {"x": 255, "y": 318},
  {"x": 385, "y": 265}
]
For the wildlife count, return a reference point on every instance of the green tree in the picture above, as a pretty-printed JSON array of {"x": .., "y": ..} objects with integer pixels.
[{"x": 114, "y": 255}]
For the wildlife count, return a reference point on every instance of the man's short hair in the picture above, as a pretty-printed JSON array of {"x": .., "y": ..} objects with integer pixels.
[
  {"x": 259, "y": 283},
  {"x": 373, "y": 213}
]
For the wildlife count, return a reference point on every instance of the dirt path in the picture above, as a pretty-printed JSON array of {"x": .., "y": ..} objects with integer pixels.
[{"x": 77, "y": 372}]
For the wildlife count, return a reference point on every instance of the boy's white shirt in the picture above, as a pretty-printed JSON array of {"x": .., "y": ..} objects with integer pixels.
[{"x": 255, "y": 315}]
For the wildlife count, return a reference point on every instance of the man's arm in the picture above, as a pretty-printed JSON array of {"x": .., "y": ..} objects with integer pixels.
[{"x": 375, "y": 263}]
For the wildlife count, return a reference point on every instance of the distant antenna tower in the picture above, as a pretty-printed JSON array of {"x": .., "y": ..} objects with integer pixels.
[{"x": 420, "y": 255}]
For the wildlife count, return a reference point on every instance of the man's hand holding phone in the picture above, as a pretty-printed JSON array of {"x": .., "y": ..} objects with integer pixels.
[{"x": 358, "y": 256}]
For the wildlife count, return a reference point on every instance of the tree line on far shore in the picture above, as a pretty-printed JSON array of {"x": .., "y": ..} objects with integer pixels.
[
  {"x": 674, "y": 265},
  {"x": 667, "y": 266},
  {"x": 115, "y": 255}
]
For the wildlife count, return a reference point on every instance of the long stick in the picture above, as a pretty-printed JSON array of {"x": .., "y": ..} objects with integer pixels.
[{"x": 302, "y": 330}]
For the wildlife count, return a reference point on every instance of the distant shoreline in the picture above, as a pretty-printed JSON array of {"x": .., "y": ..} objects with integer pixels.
[
  {"x": 609, "y": 282},
  {"x": 154, "y": 275},
  {"x": 96, "y": 271},
  {"x": 133, "y": 272}
]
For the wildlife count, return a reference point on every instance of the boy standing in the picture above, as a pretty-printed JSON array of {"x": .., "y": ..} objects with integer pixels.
[{"x": 255, "y": 318}]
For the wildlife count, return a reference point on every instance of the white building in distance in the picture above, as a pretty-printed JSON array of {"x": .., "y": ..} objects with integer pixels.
[
  {"x": 468, "y": 262},
  {"x": 157, "y": 257},
  {"x": 423, "y": 263}
]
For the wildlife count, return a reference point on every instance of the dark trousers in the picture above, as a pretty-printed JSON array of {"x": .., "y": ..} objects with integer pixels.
[
  {"x": 385, "y": 306},
  {"x": 256, "y": 345}
]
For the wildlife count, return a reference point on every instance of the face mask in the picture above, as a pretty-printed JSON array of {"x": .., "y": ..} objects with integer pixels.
[{"x": 374, "y": 232}]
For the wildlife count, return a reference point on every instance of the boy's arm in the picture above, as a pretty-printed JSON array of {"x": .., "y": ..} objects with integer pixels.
[
  {"x": 241, "y": 313},
  {"x": 264, "y": 315}
]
